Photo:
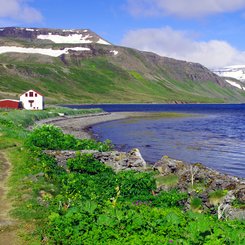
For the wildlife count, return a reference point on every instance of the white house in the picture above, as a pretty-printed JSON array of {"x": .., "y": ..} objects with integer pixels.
[{"x": 32, "y": 100}]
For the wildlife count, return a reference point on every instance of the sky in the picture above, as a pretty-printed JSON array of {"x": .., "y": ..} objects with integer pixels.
[{"x": 210, "y": 32}]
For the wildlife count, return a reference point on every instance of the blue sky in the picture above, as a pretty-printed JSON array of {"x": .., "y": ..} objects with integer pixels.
[{"x": 210, "y": 32}]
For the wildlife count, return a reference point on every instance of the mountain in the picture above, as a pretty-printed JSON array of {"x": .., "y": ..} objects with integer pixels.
[
  {"x": 234, "y": 75},
  {"x": 79, "y": 66},
  {"x": 236, "y": 71}
]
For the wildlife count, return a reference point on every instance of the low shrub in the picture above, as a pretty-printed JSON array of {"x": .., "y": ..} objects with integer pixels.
[{"x": 50, "y": 137}]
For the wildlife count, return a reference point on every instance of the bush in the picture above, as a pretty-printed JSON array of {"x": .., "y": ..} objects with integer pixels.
[
  {"x": 133, "y": 184},
  {"x": 86, "y": 164},
  {"x": 50, "y": 137}
]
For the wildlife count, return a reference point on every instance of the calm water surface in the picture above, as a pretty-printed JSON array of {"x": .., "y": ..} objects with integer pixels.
[{"x": 214, "y": 137}]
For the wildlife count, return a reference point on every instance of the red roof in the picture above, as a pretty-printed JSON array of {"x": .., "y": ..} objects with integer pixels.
[{"x": 9, "y": 100}]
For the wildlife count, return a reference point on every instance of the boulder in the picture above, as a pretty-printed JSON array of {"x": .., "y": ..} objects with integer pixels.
[{"x": 167, "y": 166}]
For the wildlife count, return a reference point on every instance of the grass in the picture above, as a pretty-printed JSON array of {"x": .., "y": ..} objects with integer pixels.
[
  {"x": 217, "y": 197},
  {"x": 196, "y": 204},
  {"x": 168, "y": 180},
  {"x": 25, "y": 118}
]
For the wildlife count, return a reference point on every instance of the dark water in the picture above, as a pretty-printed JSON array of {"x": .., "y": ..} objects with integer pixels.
[{"x": 214, "y": 137}]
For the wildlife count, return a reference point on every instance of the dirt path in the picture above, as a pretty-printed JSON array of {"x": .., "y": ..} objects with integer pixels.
[{"x": 8, "y": 226}]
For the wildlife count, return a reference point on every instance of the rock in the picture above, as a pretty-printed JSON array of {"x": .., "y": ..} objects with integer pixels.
[
  {"x": 229, "y": 198},
  {"x": 114, "y": 159},
  {"x": 167, "y": 166},
  {"x": 240, "y": 194},
  {"x": 236, "y": 214}
]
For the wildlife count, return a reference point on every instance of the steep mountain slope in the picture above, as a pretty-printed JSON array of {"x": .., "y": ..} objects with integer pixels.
[{"x": 78, "y": 66}]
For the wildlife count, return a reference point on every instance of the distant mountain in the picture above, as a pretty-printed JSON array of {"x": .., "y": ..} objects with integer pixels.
[
  {"x": 79, "y": 66},
  {"x": 237, "y": 72},
  {"x": 234, "y": 75}
]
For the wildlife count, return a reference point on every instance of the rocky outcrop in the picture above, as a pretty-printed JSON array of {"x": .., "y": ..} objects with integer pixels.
[
  {"x": 116, "y": 160},
  {"x": 198, "y": 173},
  {"x": 217, "y": 191}
]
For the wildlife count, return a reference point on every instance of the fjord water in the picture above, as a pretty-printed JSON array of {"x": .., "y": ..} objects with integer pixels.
[{"x": 215, "y": 136}]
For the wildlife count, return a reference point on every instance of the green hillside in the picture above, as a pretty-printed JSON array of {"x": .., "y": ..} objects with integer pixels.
[{"x": 101, "y": 77}]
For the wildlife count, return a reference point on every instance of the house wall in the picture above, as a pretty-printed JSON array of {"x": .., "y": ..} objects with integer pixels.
[
  {"x": 9, "y": 104},
  {"x": 31, "y": 100}
]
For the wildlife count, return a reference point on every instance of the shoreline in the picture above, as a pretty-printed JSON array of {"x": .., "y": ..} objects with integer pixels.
[{"x": 79, "y": 125}]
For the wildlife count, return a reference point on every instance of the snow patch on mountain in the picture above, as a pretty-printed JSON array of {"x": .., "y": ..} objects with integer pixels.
[
  {"x": 49, "y": 52},
  {"x": 235, "y": 84},
  {"x": 236, "y": 71},
  {"x": 101, "y": 41},
  {"x": 72, "y": 38},
  {"x": 115, "y": 52}
]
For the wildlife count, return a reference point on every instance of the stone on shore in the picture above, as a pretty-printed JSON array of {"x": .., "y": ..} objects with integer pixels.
[
  {"x": 116, "y": 160},
  {"x": 201, "y": 182}
]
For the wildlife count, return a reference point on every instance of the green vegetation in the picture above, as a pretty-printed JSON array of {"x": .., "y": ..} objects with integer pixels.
[
  {"x": 25, "y": 118},
  {"x": 49, "y": 137},
  {"x": 88, "y": 203},
  {"x": 217, "y": 197},
  {"x": 169, "y": 180},
  {"x": 196, "y": 204},
  {"x": 101, "y": 79}
]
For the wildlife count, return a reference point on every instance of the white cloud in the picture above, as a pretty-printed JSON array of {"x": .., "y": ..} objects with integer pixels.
[
  {"x": 177, "y": 44},
  {"x": 183, "y": 8},
  {"x": 19, "y": 10}
]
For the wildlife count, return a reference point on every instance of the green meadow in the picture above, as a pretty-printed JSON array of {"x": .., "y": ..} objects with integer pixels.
[{"x": 87, "y": 202}]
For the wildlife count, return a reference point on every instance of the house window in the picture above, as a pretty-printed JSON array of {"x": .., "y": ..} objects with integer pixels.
[
  {"x": 35, "y": 94},
  {"x": 26, "y": 94},
  {"x": 31, "y": 94}
]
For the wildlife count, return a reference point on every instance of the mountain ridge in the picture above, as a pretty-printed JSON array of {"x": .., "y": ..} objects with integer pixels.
[{"x": 85, "y": 63}]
